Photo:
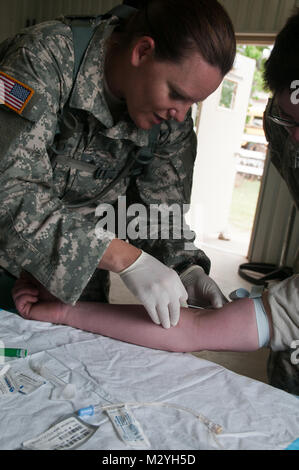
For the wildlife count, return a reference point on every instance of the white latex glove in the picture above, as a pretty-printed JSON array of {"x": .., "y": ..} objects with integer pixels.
[
  {"x": 158, "y": 287},
  {"x": 202, "y": 290}
]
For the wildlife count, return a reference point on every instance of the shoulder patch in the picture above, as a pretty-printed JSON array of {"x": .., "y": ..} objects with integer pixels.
[{"x": 14, "y": 94}]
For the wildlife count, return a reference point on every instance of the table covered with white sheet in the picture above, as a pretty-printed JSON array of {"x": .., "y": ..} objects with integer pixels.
[{"x": 176, "y": 399}]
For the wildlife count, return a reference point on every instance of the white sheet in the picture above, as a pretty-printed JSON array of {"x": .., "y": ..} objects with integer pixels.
[{"x": 253, "y": 415}]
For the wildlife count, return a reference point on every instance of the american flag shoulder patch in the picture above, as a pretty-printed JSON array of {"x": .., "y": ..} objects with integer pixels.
[{"x": 14, "y": 94}]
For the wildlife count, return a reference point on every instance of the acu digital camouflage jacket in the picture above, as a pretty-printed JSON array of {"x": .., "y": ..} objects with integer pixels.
[{"x": 40, "y": 233}]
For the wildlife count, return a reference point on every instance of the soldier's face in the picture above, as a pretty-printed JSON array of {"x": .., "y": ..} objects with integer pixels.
[{"x": 157, "y": 91}]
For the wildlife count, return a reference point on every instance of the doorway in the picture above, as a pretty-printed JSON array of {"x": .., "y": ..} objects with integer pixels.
[{"x": 231, "y": 155}]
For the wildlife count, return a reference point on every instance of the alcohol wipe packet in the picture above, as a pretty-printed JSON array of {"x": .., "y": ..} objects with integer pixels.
[
  {"x": 18, "y": 381},
  {"x": 8, "y": 383}
]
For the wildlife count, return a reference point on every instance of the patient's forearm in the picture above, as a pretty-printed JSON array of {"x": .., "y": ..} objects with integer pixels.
[{"x": 231, "y": 328}]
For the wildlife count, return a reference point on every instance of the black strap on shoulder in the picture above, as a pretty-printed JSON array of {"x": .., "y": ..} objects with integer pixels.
[
  {"x": 122, "y": 11},
  {"x": 82, "y": 35},
  {"x": 83, "y": 29}
]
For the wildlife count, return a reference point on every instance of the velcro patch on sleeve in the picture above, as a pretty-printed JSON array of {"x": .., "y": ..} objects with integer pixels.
[{"x": 14, "y": 94}]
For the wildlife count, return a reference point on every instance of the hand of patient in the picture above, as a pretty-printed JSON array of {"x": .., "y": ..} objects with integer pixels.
[{"x": 27, "y": 291}]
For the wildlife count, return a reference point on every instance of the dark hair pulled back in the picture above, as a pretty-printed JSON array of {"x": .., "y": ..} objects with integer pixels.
[{"x": 181, "y": 26}]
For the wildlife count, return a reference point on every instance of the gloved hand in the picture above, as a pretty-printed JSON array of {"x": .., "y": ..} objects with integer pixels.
[
  {"x": 202, "y": 290},
  {"x": 158, "y": 287}
]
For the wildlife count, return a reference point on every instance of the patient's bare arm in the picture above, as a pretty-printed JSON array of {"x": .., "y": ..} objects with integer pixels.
[
  {"x": 28, "y": 291},
  {"x": 230, "y": 328}
]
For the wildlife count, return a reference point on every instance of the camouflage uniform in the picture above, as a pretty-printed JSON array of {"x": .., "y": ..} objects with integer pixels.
[
  {"x": 40, "y": 233},
  {"x": 284, "y": 155}
]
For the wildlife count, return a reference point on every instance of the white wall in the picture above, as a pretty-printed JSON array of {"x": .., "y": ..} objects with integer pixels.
[{"x": 220, "y": 134}]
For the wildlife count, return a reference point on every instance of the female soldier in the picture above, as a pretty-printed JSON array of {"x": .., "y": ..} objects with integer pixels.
[{"x": 69, "y": 144}]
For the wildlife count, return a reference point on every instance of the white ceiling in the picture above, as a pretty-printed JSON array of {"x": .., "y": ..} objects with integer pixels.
[
  {"x": 259, "y": 16},
  {"x": 248, "y": 16}
]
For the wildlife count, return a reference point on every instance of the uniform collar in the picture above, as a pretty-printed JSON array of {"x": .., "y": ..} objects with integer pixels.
[{"x": 88, "y": 92}]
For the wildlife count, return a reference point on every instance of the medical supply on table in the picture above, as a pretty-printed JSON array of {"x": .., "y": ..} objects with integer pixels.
[
  {"x": 69, "y": 433},
  {"x": 13, "y": 352},
  {"x": 18, "y": 381},
  {"x": 124, "y": 422},
  {"x": 127, "y": 426},
  {"x": 89, "y": 410},
  {"x": 7, "y": 382},
  {"x": 64, "y": 390},
  {"x": 93, "y": 409},
  {"x": 61, "y": 391}
]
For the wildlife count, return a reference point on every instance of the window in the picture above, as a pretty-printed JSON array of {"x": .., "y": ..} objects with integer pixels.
[{"x": 228, "y": 94}]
